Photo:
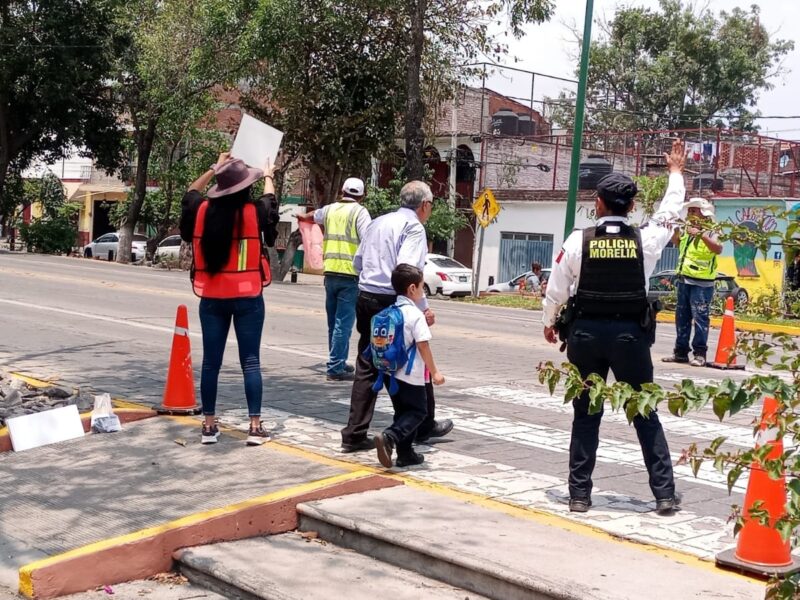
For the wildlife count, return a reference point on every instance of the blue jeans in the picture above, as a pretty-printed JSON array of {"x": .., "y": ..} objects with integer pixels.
[
  {"x": 693, "y": 305},
  {"x": 341, "y": 292},
  {"x": 248, "y": 321}
]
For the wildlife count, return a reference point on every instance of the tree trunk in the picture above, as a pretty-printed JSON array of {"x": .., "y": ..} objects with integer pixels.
[
  {"x": 144, "y": 146},
  {"x": 415, "y": 108},
  {"x": 280, "y": 267}
]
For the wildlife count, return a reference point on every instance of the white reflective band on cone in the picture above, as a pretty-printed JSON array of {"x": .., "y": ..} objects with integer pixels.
[
  {"x": 182, "y": 331},
  {"x": 765, "y": 436},
  {"x": 728, "y": 313}
]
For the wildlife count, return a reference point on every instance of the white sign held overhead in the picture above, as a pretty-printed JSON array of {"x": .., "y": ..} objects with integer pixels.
[{"x": 255, "y": 142}]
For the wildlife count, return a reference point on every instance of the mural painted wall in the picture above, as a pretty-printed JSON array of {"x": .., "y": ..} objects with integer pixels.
[{"x": 754, "y": 271}]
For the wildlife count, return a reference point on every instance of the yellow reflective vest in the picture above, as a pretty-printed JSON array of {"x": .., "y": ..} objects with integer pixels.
[
  {"x": 696, "y": 259},
  {"x": 341, "y": 237}
]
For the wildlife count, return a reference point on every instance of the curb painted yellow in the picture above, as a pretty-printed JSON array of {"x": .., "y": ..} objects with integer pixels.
[
  {"x": 26, "y": 571},
  {"x": 740, "y": 325}
]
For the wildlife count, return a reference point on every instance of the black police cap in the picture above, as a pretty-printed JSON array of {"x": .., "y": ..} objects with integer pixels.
[{"x": 616, "y": 189}]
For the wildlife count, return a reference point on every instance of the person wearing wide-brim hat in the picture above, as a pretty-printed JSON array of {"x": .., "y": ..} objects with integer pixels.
[{"x": 228, "y": 231}]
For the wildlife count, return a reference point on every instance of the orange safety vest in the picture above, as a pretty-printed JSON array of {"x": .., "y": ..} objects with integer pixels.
[{"x": 247, "y": 270}]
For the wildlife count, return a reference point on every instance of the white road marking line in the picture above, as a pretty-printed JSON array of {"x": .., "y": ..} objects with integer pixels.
[{"x": 147, "y": 326}]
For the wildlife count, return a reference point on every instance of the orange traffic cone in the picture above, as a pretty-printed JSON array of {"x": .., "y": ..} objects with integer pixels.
[
  {"x": 725, "y": 358},
  {"x": 179, "y": 395},
  {"x": 760, "y": 548}
]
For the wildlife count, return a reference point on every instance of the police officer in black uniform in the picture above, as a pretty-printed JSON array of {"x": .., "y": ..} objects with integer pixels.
[{"x": 612, "y": 326}]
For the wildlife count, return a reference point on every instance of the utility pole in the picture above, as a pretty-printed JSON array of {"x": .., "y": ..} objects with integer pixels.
[
  {"x": 577, "y": 135},
  {"x": 451, "y": 241}
]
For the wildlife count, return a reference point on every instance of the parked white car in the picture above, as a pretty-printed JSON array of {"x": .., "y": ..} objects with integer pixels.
[
  {"x": 509, "y": 287},
  {"x": 446, "y": 276},
  {"x": 168, "y": 249},
  {"x": 106, "y": 247}
]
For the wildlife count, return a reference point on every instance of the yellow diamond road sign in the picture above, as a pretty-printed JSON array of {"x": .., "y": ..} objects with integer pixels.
[{"x": 486, "y": 207}]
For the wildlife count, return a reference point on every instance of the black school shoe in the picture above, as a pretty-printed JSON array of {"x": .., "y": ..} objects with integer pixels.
[
  {"x": 367, "y": 444},
  {"x": 384, "y": 444},
  {"x": 579, "y": 505},
  {"x": 440, "y": 429},
  {"x": 675, "y": 359},
  {"x": 667, "y": 506},
  {"x": 415, "y": 458}
]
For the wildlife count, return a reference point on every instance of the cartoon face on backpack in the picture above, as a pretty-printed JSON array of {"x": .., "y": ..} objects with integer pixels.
[
  {"x": 387, "y": 347},
  {"x": 382, "y": 337}
]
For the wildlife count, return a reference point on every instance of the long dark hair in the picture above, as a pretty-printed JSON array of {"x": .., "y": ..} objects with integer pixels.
[{"x": 222, "y": 216}]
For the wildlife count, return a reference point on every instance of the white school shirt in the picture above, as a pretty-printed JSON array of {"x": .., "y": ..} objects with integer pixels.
[
  {"x": 415, "y": 330},
  {"x": 563, "y": 281}
]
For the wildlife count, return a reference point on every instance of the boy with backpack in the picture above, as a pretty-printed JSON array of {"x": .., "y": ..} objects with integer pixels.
[{"x": 400, "y": 351}]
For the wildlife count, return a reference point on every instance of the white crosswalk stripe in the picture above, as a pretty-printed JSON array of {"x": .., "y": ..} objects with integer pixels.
[
  {"x": 685, "y": 426},
  {"x": 557, "y": 440}
]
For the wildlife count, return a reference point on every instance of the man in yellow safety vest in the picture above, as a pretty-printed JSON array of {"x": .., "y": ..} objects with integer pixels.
[
  {"x": 345, "y": 223},
  {"x": 696, "y": 275}
]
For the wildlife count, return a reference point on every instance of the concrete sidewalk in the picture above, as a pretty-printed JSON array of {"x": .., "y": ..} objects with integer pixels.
[{"x": 110, "y": 508}]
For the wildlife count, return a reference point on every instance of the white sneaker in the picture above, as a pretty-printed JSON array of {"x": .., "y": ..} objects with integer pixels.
[{"x": 256, "y": 437}]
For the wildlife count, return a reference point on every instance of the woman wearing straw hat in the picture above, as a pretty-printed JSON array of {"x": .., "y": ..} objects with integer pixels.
[{"x": 228, "y": 230}]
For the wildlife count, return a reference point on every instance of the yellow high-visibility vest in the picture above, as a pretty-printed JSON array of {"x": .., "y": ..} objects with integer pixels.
[
  {"x": 696, "y": 259},
  {"x": 341, "y": 237}
]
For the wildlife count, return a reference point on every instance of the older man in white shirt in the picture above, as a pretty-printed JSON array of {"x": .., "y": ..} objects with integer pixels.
[
  {"x": 392, "y": 239},
  {"x": 605, "y": 269}
]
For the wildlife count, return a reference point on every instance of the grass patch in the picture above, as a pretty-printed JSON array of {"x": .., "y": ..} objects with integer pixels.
[
  {"x": 740, "y": 318},
  {"x": 506, "y": 301}
]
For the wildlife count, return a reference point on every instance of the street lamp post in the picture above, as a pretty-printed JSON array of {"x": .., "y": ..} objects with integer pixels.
[{"x": 577, "y": 136}]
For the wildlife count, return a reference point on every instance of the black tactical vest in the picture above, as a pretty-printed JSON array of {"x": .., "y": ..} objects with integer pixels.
[{"x": 612, "y": 273}]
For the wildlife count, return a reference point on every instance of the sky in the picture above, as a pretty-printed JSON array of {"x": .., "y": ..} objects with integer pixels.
[{"x": 551, "y": 49}]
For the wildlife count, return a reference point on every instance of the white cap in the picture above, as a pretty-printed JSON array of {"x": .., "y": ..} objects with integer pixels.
[
  {"x": 706, "y": 208},
  {"x": 353, "y": 186}
]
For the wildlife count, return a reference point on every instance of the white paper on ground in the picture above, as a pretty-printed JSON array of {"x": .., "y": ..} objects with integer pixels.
[
  {"x": 255, "y": 142},
  {"x": 48, "y": 427}
]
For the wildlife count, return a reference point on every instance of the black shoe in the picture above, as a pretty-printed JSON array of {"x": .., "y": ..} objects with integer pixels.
[
  {"x": 349, "y": 369},
  {"x": 384, "y": 444},
  {"x": 440, "y": 429},
  {"x": 346, "y": 376},
  {"x": 367, "y": 444},
  {"x": 415, "y": 458},
  {"x": 579, "y": 505},
  {"x": 675, "y": 359},
  {"x": 667, "y": 506}
]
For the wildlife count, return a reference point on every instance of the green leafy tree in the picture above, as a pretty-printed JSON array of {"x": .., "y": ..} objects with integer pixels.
[
  {"x": 443, "y": 37},
  {"x": 651, "y": 191},
  {"x": 55, "y": 231},
  {"x": 177, "y": 53},
  {"x": 330, "y": 78},
  {"x": 440, "y": 226},
  {"x": 677, "y": 66},
  {"x": 55, "y": 57}
]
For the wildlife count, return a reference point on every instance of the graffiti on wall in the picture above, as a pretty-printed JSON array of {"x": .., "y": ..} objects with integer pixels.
[
  {"x": 757, "y": 272},
  {"x": 753, "y": 218}
]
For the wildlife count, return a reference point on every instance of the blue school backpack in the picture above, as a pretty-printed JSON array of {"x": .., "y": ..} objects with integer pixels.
[{"x": 387, "y": 347}]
